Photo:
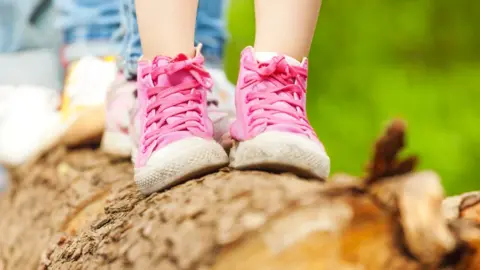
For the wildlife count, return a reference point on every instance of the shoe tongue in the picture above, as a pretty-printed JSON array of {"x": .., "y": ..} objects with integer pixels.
[
  {"x": 177, "y": 78},
  {"x": 268, "y": 56},
  {"x": 159, "y": 61}
]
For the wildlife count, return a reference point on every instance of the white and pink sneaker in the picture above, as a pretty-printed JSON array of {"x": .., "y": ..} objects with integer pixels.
[
  {"x": 175, "y": 134},
  {"x": 271, "y": 128},
  {"x": 221, "y": 103},
  {"x": 120, "y": 100}
]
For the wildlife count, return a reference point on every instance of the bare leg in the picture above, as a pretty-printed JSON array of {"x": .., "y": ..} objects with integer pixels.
[
  {"x": 286, "y": 26},
  {"x": 166, "y": 27}
]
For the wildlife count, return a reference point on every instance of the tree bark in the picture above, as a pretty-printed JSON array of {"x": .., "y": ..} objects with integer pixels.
[{"x": 79, "y": 209}]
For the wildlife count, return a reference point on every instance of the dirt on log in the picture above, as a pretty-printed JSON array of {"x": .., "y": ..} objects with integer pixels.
[{"x": 79, "y": 209}]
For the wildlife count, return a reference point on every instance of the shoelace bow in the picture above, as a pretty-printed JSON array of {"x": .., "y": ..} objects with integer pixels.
[
  {"x": 277, "y": 71},
  {"x": 189, "y": 104}
]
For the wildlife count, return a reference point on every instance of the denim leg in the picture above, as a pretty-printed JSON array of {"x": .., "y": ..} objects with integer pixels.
[
  {"x": 210, "y": 30},
  {"x": 123, "y": 34},
  {"x": 26, "y": 24},
  {"x": 88, "y": 27},
  {"x": 131, "y": 47}
]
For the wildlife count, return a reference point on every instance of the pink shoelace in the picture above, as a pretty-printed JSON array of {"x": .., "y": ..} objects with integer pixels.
[
  {"x": 179, "y": 107},
  {"x": 263, "y": 103}
]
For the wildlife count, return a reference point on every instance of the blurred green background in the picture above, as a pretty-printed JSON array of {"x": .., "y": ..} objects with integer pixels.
[{"x": 374, "y": 60}]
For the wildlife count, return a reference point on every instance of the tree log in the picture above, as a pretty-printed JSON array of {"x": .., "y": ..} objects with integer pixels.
[{"x": 79, "y": 209}]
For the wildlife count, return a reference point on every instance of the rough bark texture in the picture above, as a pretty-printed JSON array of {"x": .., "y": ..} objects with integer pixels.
[{"x": 79, "y": 209}]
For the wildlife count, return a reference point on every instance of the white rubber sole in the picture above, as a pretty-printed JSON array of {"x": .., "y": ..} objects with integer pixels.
[
  {"x": 178, "y": 162},
  {"x": 281, "y": 151},
  {"x": 116, "y": 143}
]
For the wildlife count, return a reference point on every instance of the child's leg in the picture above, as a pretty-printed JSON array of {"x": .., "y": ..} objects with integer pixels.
[
  {"x": 210, "y": 31},
  {"x": 173, "y": 133},
  {"x": 271, "y": 125},
  {"x": 285, "y": 26},
  {"x": 167, "y": 27}
]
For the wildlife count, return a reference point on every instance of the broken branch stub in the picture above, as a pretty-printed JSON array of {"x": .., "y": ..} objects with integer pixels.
[{"x": 385, "y": 160}]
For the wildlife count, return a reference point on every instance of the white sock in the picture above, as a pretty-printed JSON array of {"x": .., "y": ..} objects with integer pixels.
[{"x": 267, "y": 56}]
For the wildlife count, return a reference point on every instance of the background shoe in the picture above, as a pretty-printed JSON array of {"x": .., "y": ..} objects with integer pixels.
[
  {"x": 83, "y": 101},
  {"x": 221, "y": 103},
  {"x": 120, "y": 101},
  {"x": 29, "y": 123},
  {"x": 176, "y": 135},
  {"x": 271, "y": 126}
]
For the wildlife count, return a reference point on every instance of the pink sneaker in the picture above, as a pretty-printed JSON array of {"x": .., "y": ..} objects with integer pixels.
[
  {"x": 271, "y": 126},
  {"x": 175, "y": 141},
  {"x": 120, "y": 100},
  {"x": 220, "y": 108}
]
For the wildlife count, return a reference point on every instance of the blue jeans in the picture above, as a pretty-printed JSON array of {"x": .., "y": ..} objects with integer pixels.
[
  {"x": 89, "y": 27},
  {"x": 86, "y": 26},
  {"x": 209, "y": 30},
  {"x": 28, "y": 41},
  {"x": 97, "y": 27},
  {"x": 25, "y": 25}
]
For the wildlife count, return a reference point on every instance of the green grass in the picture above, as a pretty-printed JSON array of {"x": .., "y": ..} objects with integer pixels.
[{"x": 376, "y": 60}]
